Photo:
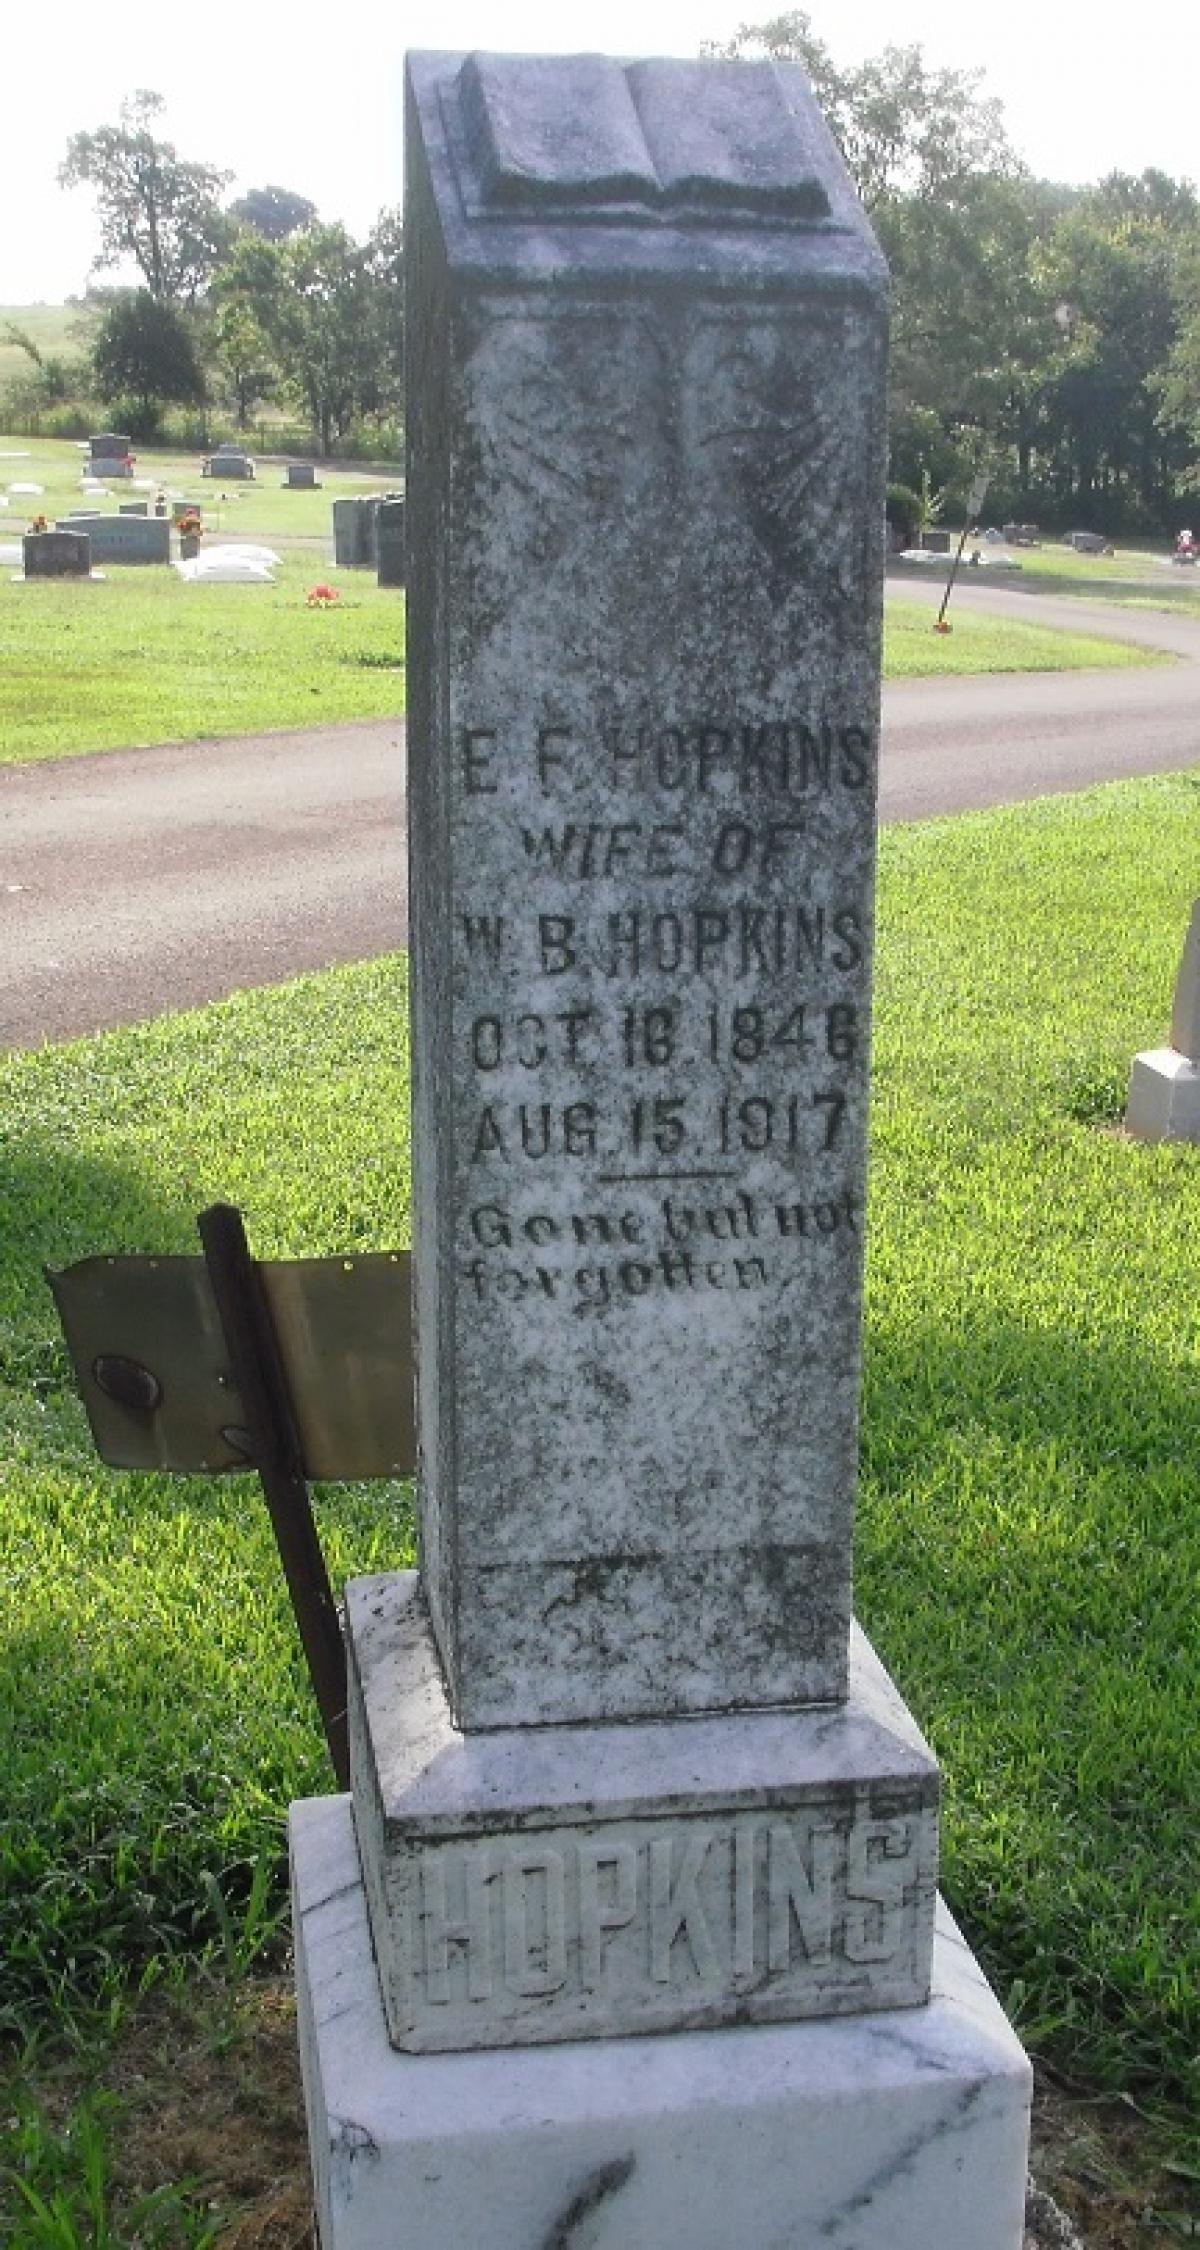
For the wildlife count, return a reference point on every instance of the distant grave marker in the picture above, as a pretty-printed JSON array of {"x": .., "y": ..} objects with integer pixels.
[
  {"x": 1164, "y": 1082},
  {"x": 122, "y": 538},
  {"x": 57, "y": 554}
]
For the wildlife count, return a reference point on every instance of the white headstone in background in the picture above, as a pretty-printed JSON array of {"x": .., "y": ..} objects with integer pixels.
[{"x": 1164, "y": 1082}]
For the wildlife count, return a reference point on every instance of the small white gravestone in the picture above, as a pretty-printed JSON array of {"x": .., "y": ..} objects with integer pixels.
[
  {"x": 1164, "y": 1082},
  {"x": 646, "y": 1838}
]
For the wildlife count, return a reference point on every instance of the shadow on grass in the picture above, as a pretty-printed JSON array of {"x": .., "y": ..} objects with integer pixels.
[
  {"x": 1116, "y": 1406},
  {"x": 1027, "y": 1553},
  {"x": 155, "y": 1711}
]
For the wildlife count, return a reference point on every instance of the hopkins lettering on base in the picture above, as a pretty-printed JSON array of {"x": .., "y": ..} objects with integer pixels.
[{"x": 642, "y": 1923}]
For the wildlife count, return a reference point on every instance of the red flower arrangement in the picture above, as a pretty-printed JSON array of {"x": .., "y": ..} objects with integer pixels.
[{"x": 322, "y": 597}]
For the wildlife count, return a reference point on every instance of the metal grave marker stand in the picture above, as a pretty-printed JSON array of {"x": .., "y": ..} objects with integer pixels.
[{"x": 294, "y": 1369}]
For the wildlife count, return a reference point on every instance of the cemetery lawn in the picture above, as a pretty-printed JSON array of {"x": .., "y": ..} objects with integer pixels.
[
  {"x": 1029, "y": 1541},
  {"x": 146, "y": 657},
  {"x": 914, "y": 649}
]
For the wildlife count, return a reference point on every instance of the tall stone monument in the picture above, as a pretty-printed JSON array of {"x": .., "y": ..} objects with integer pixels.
[{"x": 621, "y": 1763}]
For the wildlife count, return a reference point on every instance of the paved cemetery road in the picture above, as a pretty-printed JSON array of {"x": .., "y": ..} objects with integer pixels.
[
  {"x": 956, "y": 745},
  {"x": 138, "y": 881}
]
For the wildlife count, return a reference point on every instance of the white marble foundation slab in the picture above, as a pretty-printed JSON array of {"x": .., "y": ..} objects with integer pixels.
[
  {"x": 1164, "y": 1097},
  {"x": 588, "y": 1882},
  {"x": 878, "y": 2132}
]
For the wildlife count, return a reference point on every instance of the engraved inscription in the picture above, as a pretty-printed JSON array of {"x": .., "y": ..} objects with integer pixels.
[
  {"x": 698, "y": 1907},
  {"x": 669, "y": 1000}
]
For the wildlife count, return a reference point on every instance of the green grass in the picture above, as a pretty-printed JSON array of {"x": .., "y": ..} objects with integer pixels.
[
  {"x": 55, "y": 329},
  {"x": 262, "y": 509},
  {"x": 1135, "y": 576},
  {"x": 914, "y": 649},
  {"x": 1029, "y": 1542},
  {"x": 1096, "y": 572},
  {"x": 146, "y": 658},
  {"x": 60, "y": 2188},
  {"x": 153, "y": 1709}
]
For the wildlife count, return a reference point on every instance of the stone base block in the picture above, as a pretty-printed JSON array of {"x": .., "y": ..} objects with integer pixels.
[
  {"x": 1164, "y": 1097},
  {"x": 588, "y": 1882},
  {"x": 881, "y": 2132}
]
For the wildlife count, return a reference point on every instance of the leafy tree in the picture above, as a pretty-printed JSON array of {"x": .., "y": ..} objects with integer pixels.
[
  {"x": 51, "y": 377},
  {"x": 1177, "y": 381},
  {"x": 144, "y": 350},
  {"x": 905, "y": 129},
  {"x": 321, "y": 324},
  {"x": 1055, "y": 330},
  {"x": 273, "y": 212},
  {"x": 325, "y": 314},
  {"x": 244, "y": 361},
  {"x": 383, "y": 388},
  {"x": 155, "y": 209},
  {"x": 1112, "y": 267},
  {"x": 243, "y": 322}
]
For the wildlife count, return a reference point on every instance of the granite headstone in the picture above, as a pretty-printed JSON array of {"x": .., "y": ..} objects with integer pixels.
[
  {"x": 56, "y": 554},
  {"x": 389, "y": 540},
  {"x": 644, "y": 703},
  {"x": 122, "y": 538},
  {"x": 355, "y": 533},
  {"x": 620, "y": 1763},
  {"x": 1185, "y": 1010},
  {"x": 1163, "y": 1103},
  {"x": 230, "y": 463},
  {"x": 645, "y": 475}
]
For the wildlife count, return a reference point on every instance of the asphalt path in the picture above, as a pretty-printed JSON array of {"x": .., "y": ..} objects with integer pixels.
[
  {"x": 137, "y": 881},
  {"x": 134, "y": 882},
  {"x": 956, "y": 745}
]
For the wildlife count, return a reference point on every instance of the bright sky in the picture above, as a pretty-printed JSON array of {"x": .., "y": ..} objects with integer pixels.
[{"x": 310, "y": 98}]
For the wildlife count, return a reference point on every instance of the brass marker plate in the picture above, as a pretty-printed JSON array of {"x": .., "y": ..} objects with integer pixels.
[{"x": 345, "y": 1338}]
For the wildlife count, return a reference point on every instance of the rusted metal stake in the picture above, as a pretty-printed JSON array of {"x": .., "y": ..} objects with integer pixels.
[
  {"x": 274, "y": 1450},
  {"x": 941, "y": 615}
]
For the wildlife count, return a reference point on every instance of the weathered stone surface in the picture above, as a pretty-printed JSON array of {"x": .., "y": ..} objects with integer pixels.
[
  {"x": 646, "y": 484},
  {"x": 880, "y": 2132},
  {"x": 584, "y": 1881},
  {"x": 390, "y": 542},
  {"x": 1185, "y": 1012},
  {"x": 110, "y": 454},
  {"x": 122, "y": 539},
  {"x": 355, "y": 539},
  {"x": 56, "y": 554},
  {"x": 230, "y": 462},
  {"x": 1164, "y": 1097}
]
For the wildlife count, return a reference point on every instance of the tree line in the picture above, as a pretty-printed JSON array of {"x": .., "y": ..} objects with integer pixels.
[
  {"x": 1051, "y": 333},
  {"x": 240, "y": 306}
]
